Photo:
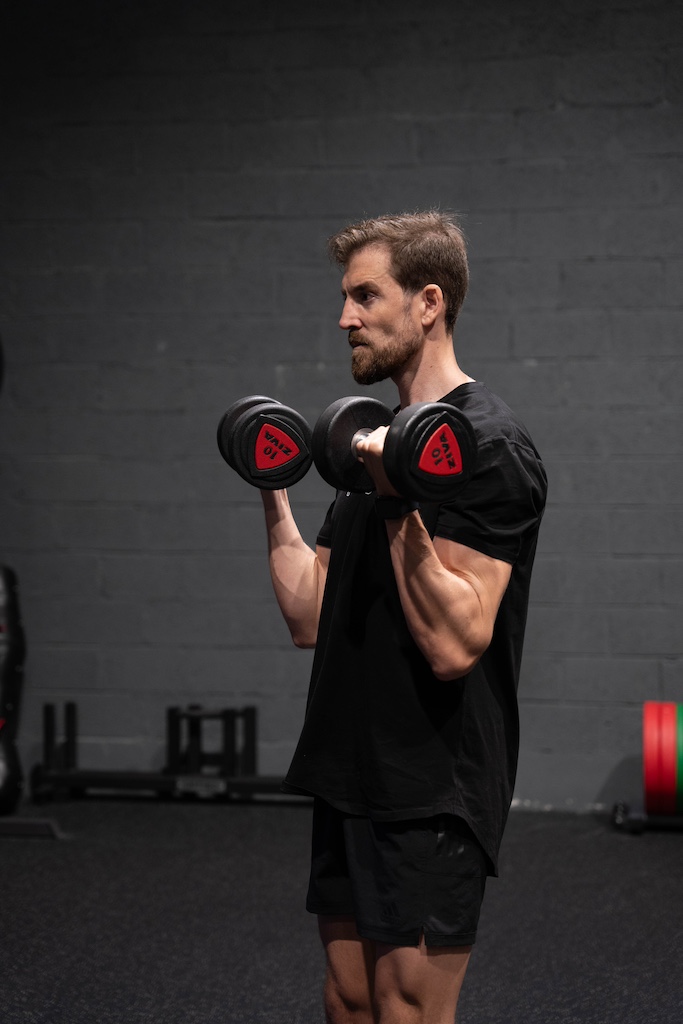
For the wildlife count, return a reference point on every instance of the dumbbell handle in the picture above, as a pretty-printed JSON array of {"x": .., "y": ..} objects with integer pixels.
[
  {"x": 429, "y": 452},
  {"x": 358, "y": 436}
]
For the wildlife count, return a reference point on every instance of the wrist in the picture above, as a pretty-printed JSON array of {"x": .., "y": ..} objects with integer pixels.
[{"x": 389, "y": 506}]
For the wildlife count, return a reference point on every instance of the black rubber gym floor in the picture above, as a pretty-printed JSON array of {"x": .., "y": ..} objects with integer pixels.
[{"x": 165, "y": 912}]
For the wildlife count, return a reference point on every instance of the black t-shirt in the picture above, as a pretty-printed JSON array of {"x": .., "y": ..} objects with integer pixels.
[{"x": 382, "y": 736}]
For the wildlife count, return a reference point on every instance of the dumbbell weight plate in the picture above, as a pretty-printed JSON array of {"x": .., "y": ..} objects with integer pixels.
[
  {"x": 332, "y": 436},
  {"x": 430, "y": 451},
  {"x": 230, "y": 417},
  {"x": 270, "y": 446}
]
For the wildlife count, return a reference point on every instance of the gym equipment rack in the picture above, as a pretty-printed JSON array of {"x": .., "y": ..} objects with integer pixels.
[{"x": 227, "y": 774}]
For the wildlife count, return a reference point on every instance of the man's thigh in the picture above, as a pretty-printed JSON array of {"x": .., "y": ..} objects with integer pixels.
[
  {"x": 410, "y": 879},
  {"x": 399, "y": 881}
]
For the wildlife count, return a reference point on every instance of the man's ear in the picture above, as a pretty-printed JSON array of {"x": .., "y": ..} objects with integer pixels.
[{"x": 432, "y": 304}]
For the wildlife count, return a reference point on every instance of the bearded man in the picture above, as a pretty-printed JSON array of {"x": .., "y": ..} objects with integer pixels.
[{"x": 417, "y": 614}]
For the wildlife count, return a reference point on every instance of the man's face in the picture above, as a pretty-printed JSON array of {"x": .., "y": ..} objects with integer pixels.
[{"x": 384, "y": 330}]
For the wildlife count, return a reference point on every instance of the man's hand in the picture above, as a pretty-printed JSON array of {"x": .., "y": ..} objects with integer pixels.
[{"x": 369, "y": 451}]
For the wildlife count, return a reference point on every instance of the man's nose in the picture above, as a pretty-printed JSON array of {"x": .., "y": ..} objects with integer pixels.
[{"x": 349, "y": 317}]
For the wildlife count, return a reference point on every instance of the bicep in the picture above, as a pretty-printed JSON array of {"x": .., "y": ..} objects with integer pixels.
[{"x": 488, "y": 577}]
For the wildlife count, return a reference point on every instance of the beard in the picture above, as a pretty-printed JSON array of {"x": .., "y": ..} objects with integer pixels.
[{"x": 370, "y": 365}]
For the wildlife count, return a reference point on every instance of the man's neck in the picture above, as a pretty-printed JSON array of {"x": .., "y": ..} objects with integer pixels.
[{"x": 431, "y": 379}]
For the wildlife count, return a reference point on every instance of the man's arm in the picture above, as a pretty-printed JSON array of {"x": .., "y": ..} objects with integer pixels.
[
  {"x": 450, "y": 593},
  {"x": 298, "y": 573}
]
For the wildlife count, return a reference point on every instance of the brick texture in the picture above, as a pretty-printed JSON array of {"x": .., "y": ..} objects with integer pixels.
[{"x": 170, "y": 174}]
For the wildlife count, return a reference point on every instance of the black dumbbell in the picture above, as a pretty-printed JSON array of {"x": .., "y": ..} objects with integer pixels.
[
  {"x": 334, "y": 435},
  {"x": 430, "y": 450},
  {"x": 267, "y": 443}
]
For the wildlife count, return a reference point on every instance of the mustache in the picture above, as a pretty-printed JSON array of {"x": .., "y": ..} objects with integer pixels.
[{"x": 355, "y": 339}]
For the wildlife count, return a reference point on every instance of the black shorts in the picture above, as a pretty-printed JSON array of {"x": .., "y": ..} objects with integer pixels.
[{"x": 398, "y": 879}]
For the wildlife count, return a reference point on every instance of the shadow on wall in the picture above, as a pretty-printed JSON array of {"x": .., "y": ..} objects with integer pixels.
[{"x": 624, "y": 784}]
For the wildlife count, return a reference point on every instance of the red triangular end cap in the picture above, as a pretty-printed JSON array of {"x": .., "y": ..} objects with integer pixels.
[
  {"x": 441, "y": 456},
  {"x": 274, "y": 448}
]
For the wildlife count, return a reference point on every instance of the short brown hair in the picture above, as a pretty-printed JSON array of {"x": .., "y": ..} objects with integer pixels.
[{"x": 425, "y": 248}]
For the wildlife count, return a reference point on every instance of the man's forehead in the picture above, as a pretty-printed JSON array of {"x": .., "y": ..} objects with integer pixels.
[{"x": 370, "y": 262}]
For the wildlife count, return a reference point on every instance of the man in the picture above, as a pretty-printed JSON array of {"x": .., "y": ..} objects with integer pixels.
[{"x": 409, "y": 744}]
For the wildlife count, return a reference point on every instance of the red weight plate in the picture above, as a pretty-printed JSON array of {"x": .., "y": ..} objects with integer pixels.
[
  {"x": 274, "y": 448},
  {"x": 668, "y": 736},
  {"x": 651, "y": 756},
  {"x": 420, "y": 441},
  {"x": 441, "y": 455}
]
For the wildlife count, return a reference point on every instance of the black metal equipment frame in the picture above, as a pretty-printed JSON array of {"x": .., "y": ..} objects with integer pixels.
[
  {"x": 636, "y": 820},
  {"x": 228, "y": 774}
]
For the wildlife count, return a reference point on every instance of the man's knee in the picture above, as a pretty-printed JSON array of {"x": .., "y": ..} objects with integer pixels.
[
  {"x": 347, "y": 1001},
  {"x": 417, "y": 985},
  {"x": 350, "y": 969},
  {"x": 396, "y": 1004},
  {"x": 400, "y": 1007}
]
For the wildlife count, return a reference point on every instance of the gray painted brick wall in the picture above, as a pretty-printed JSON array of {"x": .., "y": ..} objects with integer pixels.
[{"x": 170, "y": 173}]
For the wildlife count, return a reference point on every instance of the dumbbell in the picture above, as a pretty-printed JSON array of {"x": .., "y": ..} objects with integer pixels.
[
  {"x": 430, "y": 450},
  {"x": 267, "y": 443}
]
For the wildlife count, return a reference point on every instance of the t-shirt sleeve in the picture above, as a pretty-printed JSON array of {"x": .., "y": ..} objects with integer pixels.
[
  {"x": 324, "y": 538},
  {"x": 502, "y": 500}
]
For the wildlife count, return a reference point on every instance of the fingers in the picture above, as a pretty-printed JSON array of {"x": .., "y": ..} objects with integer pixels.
[
  {"x": 369, "y": 451},
  {"x": 372, "y": 444}
]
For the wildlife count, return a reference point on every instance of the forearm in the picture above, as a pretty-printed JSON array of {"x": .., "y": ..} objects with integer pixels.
[
  {"x": 447, "y": 608},
  {"x": 297, "y": 574}
]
